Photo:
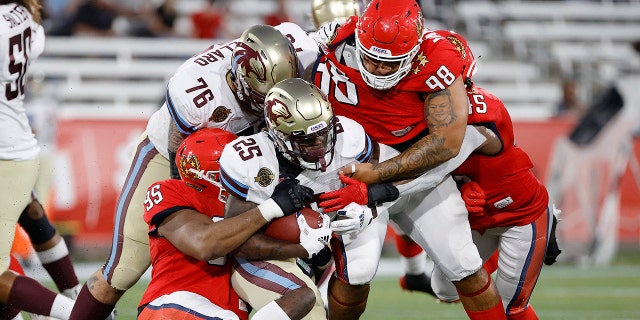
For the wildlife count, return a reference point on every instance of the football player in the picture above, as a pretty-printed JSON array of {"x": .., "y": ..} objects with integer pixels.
[
  {"x": 380, "y": 69},
  {"x": 251, "y": 167},
  {"x": 190, "y": 239},
  {"x": 508, "y": 206},
  {"x": 305, "y": 141},
  {"x": 222, "y": 87},
  {"x": 22, "y": 40}
]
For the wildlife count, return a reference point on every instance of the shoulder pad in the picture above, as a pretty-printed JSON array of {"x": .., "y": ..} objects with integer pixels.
[
  {"x": 249, "y": 168},
  {"x": 352, "y": 141}
]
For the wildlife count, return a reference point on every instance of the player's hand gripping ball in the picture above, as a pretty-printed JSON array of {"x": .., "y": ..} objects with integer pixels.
[{"x": 286, "y": 228}]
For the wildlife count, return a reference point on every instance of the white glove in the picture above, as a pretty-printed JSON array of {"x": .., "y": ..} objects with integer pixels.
[
  {"x": 314, "y": 240},
  {"x": 324, "y": 35},
  {"x": 352, "y": 219}
]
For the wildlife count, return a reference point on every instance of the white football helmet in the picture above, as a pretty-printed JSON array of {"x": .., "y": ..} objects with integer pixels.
[{"x": 301, "y": 122}]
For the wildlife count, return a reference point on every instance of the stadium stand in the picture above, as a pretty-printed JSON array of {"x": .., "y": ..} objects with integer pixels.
[
  {"x": 525, "y": 48},
  {"x": 115, "y": 73}
]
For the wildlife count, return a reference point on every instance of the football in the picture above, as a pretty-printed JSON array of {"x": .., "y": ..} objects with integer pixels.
[{"x": 286, "y": 228}]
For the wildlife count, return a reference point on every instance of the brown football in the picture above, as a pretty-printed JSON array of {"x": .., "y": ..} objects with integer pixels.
[{"x": 286, "y": 228}]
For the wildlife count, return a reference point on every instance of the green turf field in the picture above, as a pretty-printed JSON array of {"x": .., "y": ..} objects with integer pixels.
[{"x": 563, "y": 292}]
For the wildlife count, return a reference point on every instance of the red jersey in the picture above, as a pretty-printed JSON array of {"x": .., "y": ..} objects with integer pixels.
[
  {"x": 173, "y": 270},
  {"x": 389, "y": 116},
  {"x": 515, "y": 197}
]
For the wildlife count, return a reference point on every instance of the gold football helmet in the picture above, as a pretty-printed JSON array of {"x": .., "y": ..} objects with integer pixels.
[
  {"x": 325, "y": 11},
  {"x": 301, "y": 122},
  {"x": 262, "y": 57}
]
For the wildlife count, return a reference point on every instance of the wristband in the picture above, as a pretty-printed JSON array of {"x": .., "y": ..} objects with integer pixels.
[
  {"x": 270, "y": 210},
  {"x": 380, "y": 193}
]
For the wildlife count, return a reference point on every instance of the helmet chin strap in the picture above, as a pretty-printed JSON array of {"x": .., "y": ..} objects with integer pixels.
[{"x": 319, "y": 155}]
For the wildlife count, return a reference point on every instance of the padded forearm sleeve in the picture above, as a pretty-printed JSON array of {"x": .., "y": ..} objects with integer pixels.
[
  {"x": 175, "y": 173},
  {"x": 380, "y": 193}
]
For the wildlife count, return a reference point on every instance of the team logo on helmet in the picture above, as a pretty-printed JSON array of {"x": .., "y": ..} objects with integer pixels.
[
  {"x": 187, "y": 162},
  {"x": 419, "y": 24},
  {"x": 459, "y": 46},
  {"x": 250, "y": 62},
  {"x": 220, "y": 114},
  {"x": 276, "y": 109},
  {"x": 265, "y": 177}
]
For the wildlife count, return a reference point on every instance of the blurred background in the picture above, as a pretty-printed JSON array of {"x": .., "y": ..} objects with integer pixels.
[{"x": 568, "y": 72}]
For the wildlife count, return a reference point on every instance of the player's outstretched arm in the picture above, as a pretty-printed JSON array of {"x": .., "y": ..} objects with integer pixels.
[
  {"x": 198, "y": 236},
  {"x": 446, "y": 112}
]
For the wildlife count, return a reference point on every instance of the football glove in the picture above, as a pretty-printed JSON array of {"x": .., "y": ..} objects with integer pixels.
[
  {"x": 354, "y": 192},
  {"x": 473, "y": 196},
  {"x": 358, "y": 192},
  {"x": 314, "y": 240},
  {"x": 553, "y": 250},
  {"x": 352, "y": 219},
  {"x": 288, "y": 197},
  {"x": 322, "y": 259},
  {"x": 324, "y": 35}
]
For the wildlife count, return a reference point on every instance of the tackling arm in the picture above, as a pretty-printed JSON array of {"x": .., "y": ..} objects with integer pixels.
[
  {"x": 198, "y": 236},
  {"x": 476, "y": 138},
  {"x": 446, "y": 132},
  {"x": 259, "y": 246}
]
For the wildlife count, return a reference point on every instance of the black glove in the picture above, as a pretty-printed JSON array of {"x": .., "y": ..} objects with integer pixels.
[
  {"x": 322, "y": 259},
  {"x": 291, "y": 196},
  {"x": 380, "y": 193},
  {"x": 553, "y": 251},
  {"x": 173, "y": 168}
]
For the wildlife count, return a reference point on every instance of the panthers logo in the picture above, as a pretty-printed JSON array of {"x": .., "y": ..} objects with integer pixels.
[
  {"x": 187, "y": 162},
  {"x": 220, "y": 114},
  {"x": 276, "y": 109},
  {"x": 265, "y": 177},
  {"x": 250, "y": 62},
  {"x": 419, "y": 23}
]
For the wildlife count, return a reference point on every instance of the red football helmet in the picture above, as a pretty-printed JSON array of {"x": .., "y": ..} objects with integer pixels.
[
  {"x": 460, "y": 43},
  {"x": 389, "y": 31},
  {"x": 197, "y": 159}
]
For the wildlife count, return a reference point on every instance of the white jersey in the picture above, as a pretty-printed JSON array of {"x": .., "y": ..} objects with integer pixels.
[
  {"x": 199, "y": 96},
  {"x": 249, "y": 166},
  {"x": 21, "y": 42}
]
